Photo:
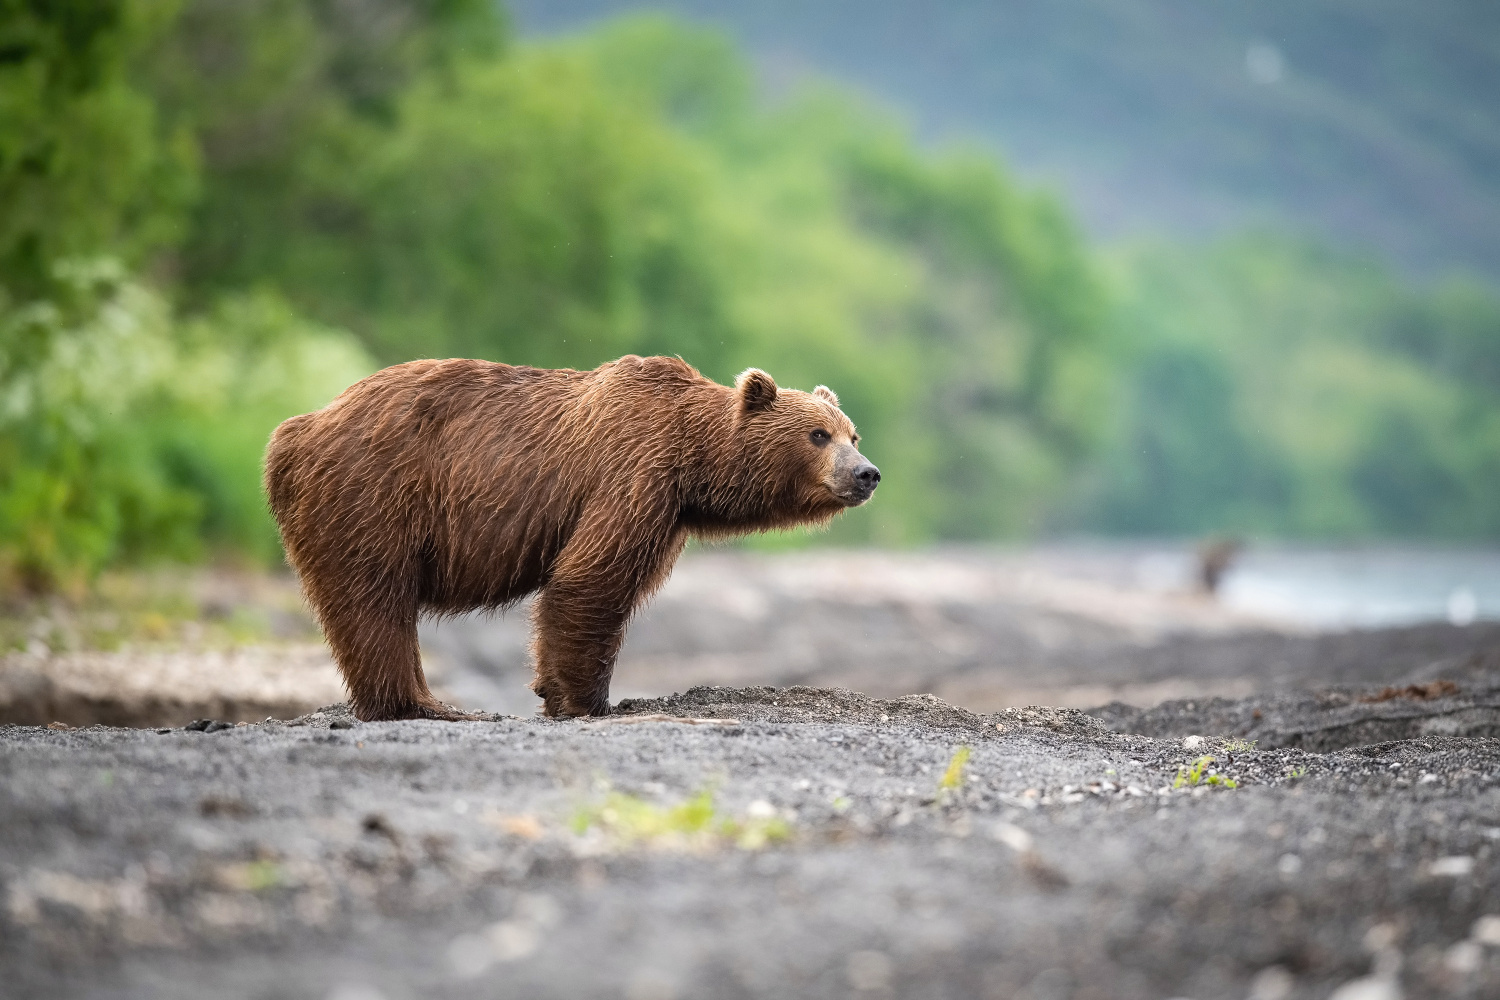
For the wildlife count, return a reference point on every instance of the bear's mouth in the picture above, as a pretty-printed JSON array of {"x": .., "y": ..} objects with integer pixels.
[{"x": 852, "y": 496}]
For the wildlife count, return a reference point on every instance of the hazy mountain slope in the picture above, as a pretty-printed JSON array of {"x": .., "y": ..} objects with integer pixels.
[{"x": 1374, "y": 121}]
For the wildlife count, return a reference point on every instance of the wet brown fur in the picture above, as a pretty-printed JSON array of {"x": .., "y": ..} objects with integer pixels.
[{"x": 450, "y": 486}]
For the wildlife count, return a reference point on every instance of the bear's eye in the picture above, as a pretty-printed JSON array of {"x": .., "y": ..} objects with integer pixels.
[
  {"x": 854, "y": 440},
  {"x": 820, "y": 437}
]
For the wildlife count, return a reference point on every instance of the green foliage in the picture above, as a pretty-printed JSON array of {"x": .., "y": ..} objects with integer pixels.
[
  {"x": 125, "y": 434},
  {"x": 1200, "y": 772},
  {"x": 287, "y": 100},
  {"x": 1274, "y": 387},
  {"x": 77, "y": 484},
  {"x": 287, "y": 170},
  {"x": 693, "y": 824},
  {"x": 85, "y": 165},
  {"x": 953, "y": 777}
]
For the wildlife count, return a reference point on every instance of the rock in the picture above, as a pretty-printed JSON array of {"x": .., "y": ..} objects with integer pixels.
[
  {"x": 1368, "y": 988},
  {"x": 1486, "y": 930}
]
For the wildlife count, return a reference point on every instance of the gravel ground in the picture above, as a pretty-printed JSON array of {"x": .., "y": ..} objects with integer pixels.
[
  {"x": 796, "y": 841},
  {"x": 849, "y": 850}
]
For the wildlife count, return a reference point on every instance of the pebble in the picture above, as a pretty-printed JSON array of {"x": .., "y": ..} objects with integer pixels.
[
  {"x": 1456, "y": 866},
  {"x": 1486, "y": 930},
  {"x": 1272, "y": 983},
  {"x": 1368, "y": 988},
  {"x": 869, "y": 970},
  {"x": 1012, "y": 836},
  {"x": 1464, "y": 958},
  {"x": 1194, "y": 743}
]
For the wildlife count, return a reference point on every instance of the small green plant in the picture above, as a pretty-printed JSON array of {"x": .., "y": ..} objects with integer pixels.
[
  {"x": 1230, "y": 744},
  {"x": 1295, "y": 772},
  {"x": 252, "y": 876},
  {"x": 693, "y": 823},
  {"x": 1197, "y": 773},
  {"x": 954, "y": 776}
]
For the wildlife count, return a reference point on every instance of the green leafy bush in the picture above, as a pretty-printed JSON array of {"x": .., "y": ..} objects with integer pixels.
[
  {"x": 125, "y": 435},
  {"x": 77, "y": 484}
]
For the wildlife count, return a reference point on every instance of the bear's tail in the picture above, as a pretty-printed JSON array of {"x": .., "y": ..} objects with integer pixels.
[{"x": 281, "y": 461}]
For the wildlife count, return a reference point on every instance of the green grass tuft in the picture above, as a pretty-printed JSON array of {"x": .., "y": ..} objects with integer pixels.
[
  {"x": 954, "y": 776},
  {"x": 1198, "y": 773},
  {"x": 692, "y": 824}
]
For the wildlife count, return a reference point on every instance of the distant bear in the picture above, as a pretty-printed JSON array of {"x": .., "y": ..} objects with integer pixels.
[{"x": 447, "y": 486}]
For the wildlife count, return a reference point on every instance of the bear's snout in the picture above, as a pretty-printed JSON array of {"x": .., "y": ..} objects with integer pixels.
[{"x": 855, "y": 478}]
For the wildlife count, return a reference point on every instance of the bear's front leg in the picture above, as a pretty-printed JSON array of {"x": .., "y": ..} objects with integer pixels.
[{"x": 604, "y": 572}]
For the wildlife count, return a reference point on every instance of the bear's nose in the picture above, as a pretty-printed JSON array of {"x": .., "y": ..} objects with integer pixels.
[{"x": 867, "y": 476}]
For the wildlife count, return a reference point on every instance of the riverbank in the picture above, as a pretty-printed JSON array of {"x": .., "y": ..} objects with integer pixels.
[{"x": 746, "y": 842}]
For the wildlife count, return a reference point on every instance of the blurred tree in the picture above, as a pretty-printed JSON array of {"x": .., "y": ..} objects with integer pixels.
[
  {"x": 958, "y": 316},
  {"x": 1328, "y": 397},
  {"x": 287, "y": 98},
  {"x": 86, "y": 164}
]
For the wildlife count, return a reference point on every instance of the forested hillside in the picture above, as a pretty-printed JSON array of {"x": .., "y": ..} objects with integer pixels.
[
  {"x": 214, "y": 215},
  {"x": 1373, "y": 123}
]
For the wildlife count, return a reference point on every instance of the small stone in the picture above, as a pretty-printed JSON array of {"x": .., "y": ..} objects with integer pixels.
[
  {"x": 1368, "y": 988},
  {"x": 1381, "y": 938},
  {"x": 1455, "y": 866},
  {"x": 217, "y": 726},
  {"x": 341, "y": 724},
  {"x": 869, "y": 970},
  {"x": 1194, "y": 743},
  {"x": 1464, "y": 958},
  {"x": 1486, "y": 930},
  {"x": 354, "y": 991},
  {"x": 1012, "y": 836},
  {"x": 1272, "y": 983},
  {"x": 470, "y": 955},
  {"x": 513, "y": 939},
  {"x": 61, "y": 727}
]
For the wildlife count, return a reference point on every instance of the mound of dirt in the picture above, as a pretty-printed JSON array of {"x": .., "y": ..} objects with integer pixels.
[{"x": 1326, "y": 720}]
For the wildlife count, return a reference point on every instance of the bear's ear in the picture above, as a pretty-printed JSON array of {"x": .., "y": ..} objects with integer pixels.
[
  {"x": 757, "y": 389},
  {"x": 826, "y": 394}
]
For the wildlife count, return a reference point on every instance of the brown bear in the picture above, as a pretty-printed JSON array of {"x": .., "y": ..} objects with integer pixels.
[{"x": 450, "y": 486}]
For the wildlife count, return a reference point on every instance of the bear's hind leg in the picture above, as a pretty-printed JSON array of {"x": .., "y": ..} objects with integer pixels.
[{"x": 377, "y": 652}]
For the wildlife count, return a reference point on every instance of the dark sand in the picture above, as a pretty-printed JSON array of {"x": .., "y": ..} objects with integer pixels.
[{"x": 331, "y": 859}]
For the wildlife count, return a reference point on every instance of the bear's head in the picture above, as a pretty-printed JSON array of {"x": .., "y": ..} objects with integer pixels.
[{"x": 803, "y": 447}]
